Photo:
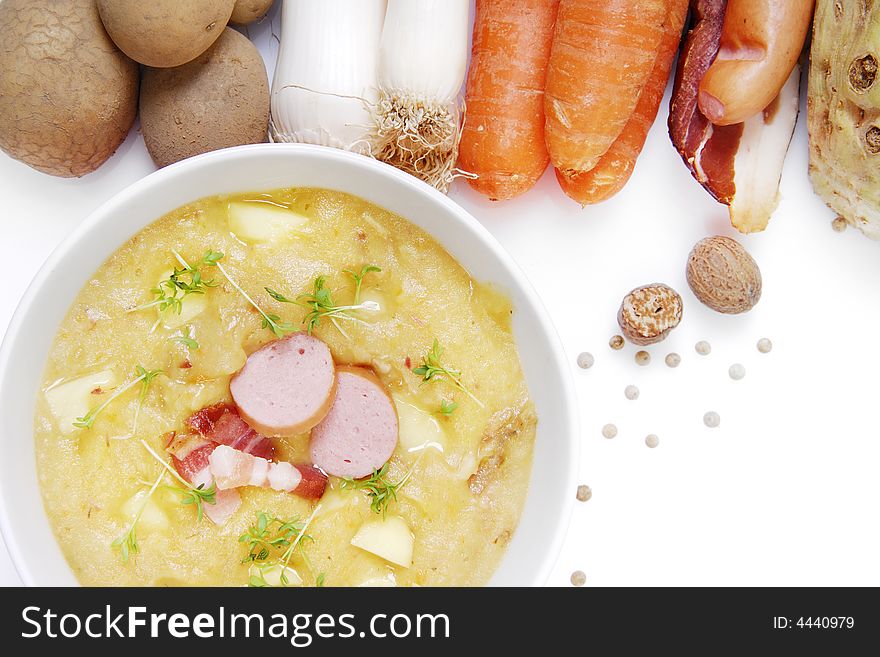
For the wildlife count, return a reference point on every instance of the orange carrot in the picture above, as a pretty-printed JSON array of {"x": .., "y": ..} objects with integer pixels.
[
  {"x": 503, "y": 136},
  {"x": 616, "y": 166},
  {"x": 602, "y": 55}
]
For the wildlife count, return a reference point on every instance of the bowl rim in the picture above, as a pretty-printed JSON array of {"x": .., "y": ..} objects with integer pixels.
[{"x": 161, "y": 177}]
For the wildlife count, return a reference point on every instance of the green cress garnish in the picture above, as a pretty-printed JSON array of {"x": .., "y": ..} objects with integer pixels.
[
  {"x": 270, "y": 535},
  {"x": 320, "y": 301},
  {"x": 127, "y": 544},
  {"x": 196, "y": 495},
  {"x": 181, "y": 283},
  {"x": 187, "y": 340},
  {"x": 271, "y": 322},
  {"x": 379, "y": 488},
  {"x": 359, "y": 279},
  {"x": 432, "y": 368},
  {"x": 447, "y": 407},
  {"x": 144, "y": 377}
]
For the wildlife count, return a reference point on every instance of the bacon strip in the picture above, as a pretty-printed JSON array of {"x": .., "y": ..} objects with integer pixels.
[
  {"x": 190, "y": 456},
  {"x": 222, "y": 424},
  {"x": 202, "y": 421},
  {"x": 232, "y": 468},
  {"x": 234, "y": 432},
  {"x": 313, "y": 483}
]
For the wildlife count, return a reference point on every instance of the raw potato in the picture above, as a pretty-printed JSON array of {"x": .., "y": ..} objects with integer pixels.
[
  {"x": 73, "y": 399},
  {"x": 390, "y": 539},
  {"x": 844, "y": 111},
  {"x": 417, "y": 428},
  {"x": 164, "y": 33},
  {"x": 246, "y": 12},
  {"x": 151, "y": 519},
  {"x": 264, "y": 222},
  {"x": 723, "y": 276},
  {"x": 68, "y": 96},
  {"x": 219, "y": 100}
]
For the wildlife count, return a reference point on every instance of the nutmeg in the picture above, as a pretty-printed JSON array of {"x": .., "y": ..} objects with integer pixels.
[
  {"x": 723, "y": 276},
  {"x": 649, "y": 313}
]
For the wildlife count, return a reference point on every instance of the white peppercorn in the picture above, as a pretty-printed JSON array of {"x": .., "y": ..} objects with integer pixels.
[{"x": 736, "y": 371}]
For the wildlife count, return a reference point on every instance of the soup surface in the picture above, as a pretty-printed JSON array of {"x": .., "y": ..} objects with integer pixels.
[{"x": 126, "y": 369}]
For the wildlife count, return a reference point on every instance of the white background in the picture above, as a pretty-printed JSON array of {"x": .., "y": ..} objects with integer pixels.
[{"x": 786, "y": 491}]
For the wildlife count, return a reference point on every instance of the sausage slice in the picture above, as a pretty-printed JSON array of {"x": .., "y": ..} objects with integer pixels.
[
  {"x": 286, "y": 387},
  {"x": 360, "y": 431}
]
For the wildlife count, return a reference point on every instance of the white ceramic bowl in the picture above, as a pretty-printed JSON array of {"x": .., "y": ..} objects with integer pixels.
[{"x": 536, "y": 543}]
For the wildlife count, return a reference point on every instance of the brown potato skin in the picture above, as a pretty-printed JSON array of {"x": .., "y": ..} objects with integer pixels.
[
  {"x": 246, "y": 12},
  {"x": 164, "y": 33},
  {"x": 68, "y": 96},
  {"x": 218, "y": 100}
]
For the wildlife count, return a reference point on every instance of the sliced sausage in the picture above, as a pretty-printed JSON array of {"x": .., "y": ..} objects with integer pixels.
[
  {"x": 286, "y": 387},
  {"x": 360, "y": 431}
]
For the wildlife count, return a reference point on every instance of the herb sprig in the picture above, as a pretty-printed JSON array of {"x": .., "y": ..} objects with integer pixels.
[
  {"x": 433, "y": 368},
  {"x": 270, "y": 535},
  {"x": 127, "y": 544},
  {"x": 320, "y": 302},
  {"x": 448, "y": 407},
  {"x": 379, "y": 488},
  {"x": 271, "y": 322},
  {"x": 187, "y": 339},
  {"x": 359, "y": 279},
  {"x": 147, "y": 379},
  {"x": 144, "y": 377},
  {"x": 181, "y": 283},
  {"x": 197, "y": 495}
]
